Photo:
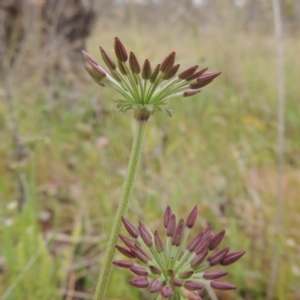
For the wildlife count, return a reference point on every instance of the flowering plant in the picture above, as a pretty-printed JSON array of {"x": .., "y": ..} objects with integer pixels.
[{"x": 172, "y": 267}]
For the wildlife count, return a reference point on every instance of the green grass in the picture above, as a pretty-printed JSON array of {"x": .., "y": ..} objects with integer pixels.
[{"x": 218, "y": 151}]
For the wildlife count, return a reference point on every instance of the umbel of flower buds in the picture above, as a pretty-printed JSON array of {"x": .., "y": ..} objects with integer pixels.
[
  {"x": 171, "y": 266},
  {"x": 143, "y": 88}
]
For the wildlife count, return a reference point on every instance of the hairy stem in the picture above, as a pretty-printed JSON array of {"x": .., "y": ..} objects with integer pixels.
[{"x": 134, "y": 159}]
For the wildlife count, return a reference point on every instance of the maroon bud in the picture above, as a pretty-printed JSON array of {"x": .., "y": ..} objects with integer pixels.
[
  {"x": 168, "y": 62},
  {"x": 120, "y": 50},
  {"x": 130, "y": 228},
  {"x": 189, "y": 93},
  {"x": 188, "y": 72},
  {"x": 215, "y": 274},
  {"x": 222, "y": 285},
  {"x": 159, "y": 244},
  {"x": 197, "y": 74},
  {"x": 185, "y": 274},
  {"x": 139, "y": 282},
  {"x": 206, "y": 232},
  {"x": 123, "y": 263},
  {"x": 176, "y": 282},
  {"x": 108, "y": 61},
  {"x": 143, "y": 258},
  {"x": 208, "y": 76},
  {"x": 178, "y": 234},
  {"x": 95, "y": 75},
  {"x": 138, "y": 270},
  {"x": 144, "y": 252},
  {"x": 171, "y": 226},
  {"x": 128, "y": 242},
  {"x": 203, "y": 244},
  {"x": 216, "y": 257},
  {"x": 155, "y": 270},
  {"x": 89, "y": 58},
  {"x": 155, "y": 286},
  {"x": 196, "y": 261},
  {"x": 122, "y": 68},
  {"x": 167, "y": 291},
  {"x": 134, "y": 64},
  {"x": 190, "y": 295},
  {"x": 146, "y": 234},
  {"x": 231, "y": 258},
  {"x": 171, "y": 72},
  {"x": 199, "y": 85},
  {"x": 167, "y": 216},
  {"x": 126, "y": 252},
  {"x": 194, "y": 242},
  {"x": 146, "y": 71},
  {"x": 193, "y": 285},
  {"x": 154, "y": 73},
  {"x": 216, "y": 240},
  {"x": 98, "y": 69},
  {"x": 190, "y": 222}
]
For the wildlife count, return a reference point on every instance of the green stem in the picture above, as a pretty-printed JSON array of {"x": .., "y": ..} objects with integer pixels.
[{"x": 134, "y": 159}]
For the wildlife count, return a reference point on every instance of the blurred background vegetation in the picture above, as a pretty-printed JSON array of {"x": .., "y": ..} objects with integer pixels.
[{"x": 64, "y": 147}]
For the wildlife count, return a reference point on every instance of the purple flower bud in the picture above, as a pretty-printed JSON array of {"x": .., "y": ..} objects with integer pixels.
[
  {"x": 123, "y": 263},
  {"x": 146, "y": 71},
  {"x": 146, "y": 234},
  {"x": 193, "y": 285},
  {"x": 215, "y": 274},
  {"x": 216, "y": 257},
  {"x": 188, "y": 72},
  {"x": 203, "y": 244},
  {"x": 216, "y": 240},
  {"x": 126, "y": 252},
  {"x": 155, "y": 270},
  {"x": 167, "y": 291},
  {"x": 185, "y": 274},
  {"x": 139, "y": 281},
  {"x": 167, "y": 216},
  {"x": 130, "y": 228},
  {"x": 194, "y": 242},
  {"x": 191, "y": 93},
  {"x": 178, "y": 234},
  {"x": 231, "y": 258},
  {"x": 206, "y": 232},
  {"x": 190, "y": 295},
  {"x": 176, "y": 282},
  {"x": 108, "y": 61},
  {"x": 168, "y": 62},
  {"x": 222, "y": 285},
  {"x": 89, "y": 58},
  {"x": 168, "y": 75},
  {"x": 95, "y": 75},
  {"x": 190, "y": 222},
  {"x": 159, "y": 244},
  {"x": 155, "y": 286},
  {"x": 134, "y": 64},
  {"x": 138, "y": 270},
  {"x": 199, "y": 85},
  {"x": 197, "y": 74},
  {"x": 128, "y": 242},
  {"x": 120, "y": 50},
  {"x": 208, "y": 76},
  {"x": 143, "y": 258},
  {"x": 171, "y": 226},
  {"x": 155, "y": 73},
  {"x": 196, "y": 261}
]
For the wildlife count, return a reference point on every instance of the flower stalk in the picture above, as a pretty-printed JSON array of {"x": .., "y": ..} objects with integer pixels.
[{"x": 133, "y": 164}]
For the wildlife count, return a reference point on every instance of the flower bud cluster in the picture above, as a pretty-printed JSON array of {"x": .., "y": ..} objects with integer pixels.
[
  {"x": 145, "y": 89},
  {"x": 172, "y": 267}
]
